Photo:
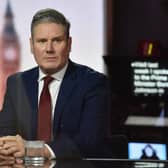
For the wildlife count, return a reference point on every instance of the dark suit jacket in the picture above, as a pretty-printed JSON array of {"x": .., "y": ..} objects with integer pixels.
[{"x": 80, "y": 113}]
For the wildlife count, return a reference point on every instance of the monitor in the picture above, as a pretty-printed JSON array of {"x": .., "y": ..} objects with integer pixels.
[
  {"x": 147, "y": 150},
  {"x": 139, "y": 78}
]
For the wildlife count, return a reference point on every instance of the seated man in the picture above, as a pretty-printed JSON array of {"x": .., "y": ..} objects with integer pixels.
[{"x": 59, "y": 101}]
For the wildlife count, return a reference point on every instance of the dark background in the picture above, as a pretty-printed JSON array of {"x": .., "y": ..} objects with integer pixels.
[
  {"x": 136, "y": 20},
  {"x": 128, "y": 22}
]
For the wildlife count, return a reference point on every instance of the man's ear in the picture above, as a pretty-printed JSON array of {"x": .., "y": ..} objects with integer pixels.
[
  {"x": 31, "y": 44},
  {"x": 69, "y": 43}
]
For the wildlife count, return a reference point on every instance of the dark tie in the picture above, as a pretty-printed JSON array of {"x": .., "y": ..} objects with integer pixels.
[{"x": 44, "y": 113}]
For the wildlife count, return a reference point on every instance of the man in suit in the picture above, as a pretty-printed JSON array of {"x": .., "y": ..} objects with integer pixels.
[{"x": 78, "y": 96}]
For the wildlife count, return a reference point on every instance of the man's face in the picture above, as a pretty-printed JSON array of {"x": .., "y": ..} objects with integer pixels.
[{"x": 50, "y": 46}]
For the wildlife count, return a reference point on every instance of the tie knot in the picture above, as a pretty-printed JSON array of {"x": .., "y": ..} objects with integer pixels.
[{"x": 47, "y": 80}]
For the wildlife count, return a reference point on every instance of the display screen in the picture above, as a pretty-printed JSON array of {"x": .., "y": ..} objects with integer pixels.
[
  {"x": 142, "y": 78},
  {"x": 145, "y": 150}
]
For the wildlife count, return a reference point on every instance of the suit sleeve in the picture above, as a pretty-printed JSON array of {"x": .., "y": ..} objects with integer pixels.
[
  {"x": 92, "y": 135},
  {"x": 7, "y": 117}
]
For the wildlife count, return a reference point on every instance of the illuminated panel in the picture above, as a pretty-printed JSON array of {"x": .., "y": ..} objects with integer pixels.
[{"x": 149, "y": 48}]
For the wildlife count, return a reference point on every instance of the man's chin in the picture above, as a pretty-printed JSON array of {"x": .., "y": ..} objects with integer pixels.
[{"x": 50, "y": 70}]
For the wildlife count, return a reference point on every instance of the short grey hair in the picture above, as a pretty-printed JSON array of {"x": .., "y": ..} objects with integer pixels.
[{"x": 51, "y": 16}]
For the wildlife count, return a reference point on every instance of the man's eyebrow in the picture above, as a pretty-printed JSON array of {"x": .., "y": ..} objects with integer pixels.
[{"x": 62, "y": 36}]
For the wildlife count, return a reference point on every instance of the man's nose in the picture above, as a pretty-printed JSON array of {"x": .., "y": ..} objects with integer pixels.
[{"x": 49, "y": 47}]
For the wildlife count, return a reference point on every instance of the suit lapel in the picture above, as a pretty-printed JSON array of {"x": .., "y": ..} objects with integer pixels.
[{"x": 66, "y": 89}]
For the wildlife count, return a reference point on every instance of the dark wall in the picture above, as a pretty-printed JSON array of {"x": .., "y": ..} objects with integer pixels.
[{"x": 135, "y": 20}]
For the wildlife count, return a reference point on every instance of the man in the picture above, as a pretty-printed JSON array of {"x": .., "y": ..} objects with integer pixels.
[{"x": 78, "y": 96}]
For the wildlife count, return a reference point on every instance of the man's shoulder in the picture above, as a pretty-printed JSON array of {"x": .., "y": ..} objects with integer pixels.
[
  {"x": 88, "y": 77},
  {"x": 24, "y": 74},
  {"x": 84, "y": 71}
]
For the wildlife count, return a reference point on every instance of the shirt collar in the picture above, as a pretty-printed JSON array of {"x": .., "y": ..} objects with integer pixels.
[{"x": 58, "y": 75}]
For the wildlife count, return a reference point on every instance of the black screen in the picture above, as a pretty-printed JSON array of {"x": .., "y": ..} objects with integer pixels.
[{"x": 140, "y": 78}]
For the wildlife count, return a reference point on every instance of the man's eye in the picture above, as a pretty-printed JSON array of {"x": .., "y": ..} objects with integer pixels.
[
  {"x": 41, "y": 41},
  {"x": 57, "y": 40}
]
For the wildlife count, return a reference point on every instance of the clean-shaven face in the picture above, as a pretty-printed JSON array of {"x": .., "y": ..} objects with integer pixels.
[{"x": 50, "y": 46}]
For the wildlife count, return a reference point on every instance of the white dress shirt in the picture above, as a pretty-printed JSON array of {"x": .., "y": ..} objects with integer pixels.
[{"x": 54, "y": 88}]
